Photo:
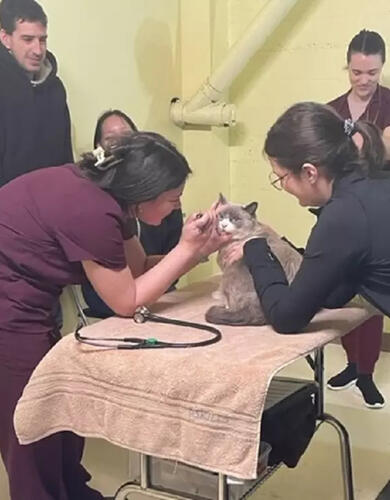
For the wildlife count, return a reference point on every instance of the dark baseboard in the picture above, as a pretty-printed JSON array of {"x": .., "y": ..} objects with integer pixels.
[{"x": 385, "y": 342}]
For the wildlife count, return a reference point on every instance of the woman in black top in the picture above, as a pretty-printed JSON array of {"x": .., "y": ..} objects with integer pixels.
[
  {"x": 314, "y": 157},
  {"x": 365, "y": 100}
]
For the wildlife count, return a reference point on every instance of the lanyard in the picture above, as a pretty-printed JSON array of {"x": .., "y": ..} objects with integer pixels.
[{"x": 141, "y": 315}]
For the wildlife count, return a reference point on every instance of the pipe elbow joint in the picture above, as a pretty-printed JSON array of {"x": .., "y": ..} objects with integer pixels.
[{"x": 219, "y": 114}]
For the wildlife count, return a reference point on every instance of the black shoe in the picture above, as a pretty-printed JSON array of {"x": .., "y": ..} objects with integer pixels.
[
  {"x": 367, "y": 388},
  {"x": 344, "y": 379}
]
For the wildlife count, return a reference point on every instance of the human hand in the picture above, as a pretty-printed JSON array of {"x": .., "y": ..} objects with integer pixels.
[
  {"x": 233, "y": 253},
  {"x": 200, "y": 234},
  {"x": 235, "y": 250},
  {"x": 196, "y": 231},
  {"x": 217, "y": 238}
]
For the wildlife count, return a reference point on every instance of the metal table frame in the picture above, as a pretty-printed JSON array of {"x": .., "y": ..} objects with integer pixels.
[{"x": 144, "y": 489}]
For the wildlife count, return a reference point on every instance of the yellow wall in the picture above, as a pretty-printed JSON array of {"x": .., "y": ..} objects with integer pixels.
[
  {"x": 120, "y": 54},
  {"x": 303, "y": 60},
  {"x": 204, "y": 41},
  {"x": 138, "y": 54}
]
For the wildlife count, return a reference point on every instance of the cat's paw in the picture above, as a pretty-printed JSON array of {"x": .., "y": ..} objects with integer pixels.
[{"x": 215, "y": 314}]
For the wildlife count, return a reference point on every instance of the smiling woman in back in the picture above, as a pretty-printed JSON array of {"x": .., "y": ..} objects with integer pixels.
[{"x": 366, "y": 100}]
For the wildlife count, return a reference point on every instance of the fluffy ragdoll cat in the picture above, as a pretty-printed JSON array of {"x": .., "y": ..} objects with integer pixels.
[{"x": 240, "y": 303}]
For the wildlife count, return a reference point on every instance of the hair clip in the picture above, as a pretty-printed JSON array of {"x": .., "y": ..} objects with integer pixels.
[
  {"x": 100, "y": 156},
  {"x": 349, "y": 127}
]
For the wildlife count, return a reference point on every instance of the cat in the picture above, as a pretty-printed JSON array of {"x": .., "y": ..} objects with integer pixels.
[{"x": 241, "y": 305}]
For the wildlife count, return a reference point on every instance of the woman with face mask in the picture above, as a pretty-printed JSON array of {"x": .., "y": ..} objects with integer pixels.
[
  {"x": 370, "y": 101},
  {"x": 156, "y": 240}
]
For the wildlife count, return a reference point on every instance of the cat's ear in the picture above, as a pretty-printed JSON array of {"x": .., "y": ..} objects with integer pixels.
[
  {"x": 222, "y": 200},
  {"x": 251, "y": 208}
]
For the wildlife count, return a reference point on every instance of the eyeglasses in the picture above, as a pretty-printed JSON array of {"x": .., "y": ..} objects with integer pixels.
[{"x": 276, "y": 181}]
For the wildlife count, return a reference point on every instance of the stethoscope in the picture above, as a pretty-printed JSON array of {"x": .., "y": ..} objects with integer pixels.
[{"x": 141, "y": 315}]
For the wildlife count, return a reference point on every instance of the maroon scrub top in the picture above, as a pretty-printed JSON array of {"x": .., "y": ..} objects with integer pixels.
[
  {"x": 376, "y": 112},
  {"x": 50, "y": 221}
]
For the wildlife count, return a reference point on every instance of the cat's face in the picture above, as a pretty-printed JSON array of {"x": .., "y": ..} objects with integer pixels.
[{"x": 235, "y": 219}]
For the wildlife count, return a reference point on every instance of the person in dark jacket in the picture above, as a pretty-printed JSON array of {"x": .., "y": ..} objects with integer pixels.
[
  {"x": 155, "y": 239},
  {"x": 314, "y": 157},
  {"x": 35, "y": 123},
  {"x": 367, "y": 100}
]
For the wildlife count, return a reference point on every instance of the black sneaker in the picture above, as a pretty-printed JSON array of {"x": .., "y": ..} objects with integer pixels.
[
  {"x": 344, "y": 379},
  {"x": 367, "y": 388}
]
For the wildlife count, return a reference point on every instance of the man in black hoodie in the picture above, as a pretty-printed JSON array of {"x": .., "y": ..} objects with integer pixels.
[{"x": 34, "y": 116}]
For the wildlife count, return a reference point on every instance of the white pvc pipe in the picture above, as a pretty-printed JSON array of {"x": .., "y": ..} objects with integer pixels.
[
  {"x": 255, "y": 36},
  {"x": 242, "y": 51},
  {"x": 214, "y": 114}
]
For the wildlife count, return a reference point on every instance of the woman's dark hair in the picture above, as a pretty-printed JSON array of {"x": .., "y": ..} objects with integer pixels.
[
  {"x": 368, "y": 43},
  {"x": 139, "y": 167},
  {"x": 309, "y": 132},
  {"x": 102, "y": 118},
  {"x": 12, "y": 11}
]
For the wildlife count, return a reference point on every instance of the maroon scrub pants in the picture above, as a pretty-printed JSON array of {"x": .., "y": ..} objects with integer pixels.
[
  {"x": 49, "y": 469},
  {"x": 363, "y": 344}
]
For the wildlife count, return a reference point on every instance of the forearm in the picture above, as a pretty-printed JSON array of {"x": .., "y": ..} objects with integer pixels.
[
  {"x": 152, "y": 284},
  {"x": 340, "y": 296},
  {"x": 272, "y": 289},
  {"x": 318, "y": 283},
  {"x": 151, "y": 261},
  {"x": 123, "y": 294},
  {"x": 123, "y": 291}
]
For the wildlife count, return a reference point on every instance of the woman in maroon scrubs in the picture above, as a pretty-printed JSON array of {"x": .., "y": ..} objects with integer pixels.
[
  {"x": 57, "y": 226},
  {"x": 366, "y": 100}
]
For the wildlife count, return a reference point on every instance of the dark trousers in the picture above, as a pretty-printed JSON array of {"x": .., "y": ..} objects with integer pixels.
[
  {"x": 49, "y": 469},
  {"x": 363, "y": 344}
]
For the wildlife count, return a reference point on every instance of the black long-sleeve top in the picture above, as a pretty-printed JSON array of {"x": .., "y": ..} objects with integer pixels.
[{"x": 348, "y": 252}]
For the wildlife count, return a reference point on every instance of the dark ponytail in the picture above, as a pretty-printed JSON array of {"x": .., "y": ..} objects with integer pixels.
[
  {"x": 137, "y": 167},
  {"x": 314, "y": 133},
  {"x": 373, "y": 151}
]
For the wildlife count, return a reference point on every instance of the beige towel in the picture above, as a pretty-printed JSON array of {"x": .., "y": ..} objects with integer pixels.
[{"x": 201, "y": 406}]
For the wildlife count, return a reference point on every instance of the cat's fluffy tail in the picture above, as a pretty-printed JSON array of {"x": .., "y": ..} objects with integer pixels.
[{"x": 220, "y": 315}]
